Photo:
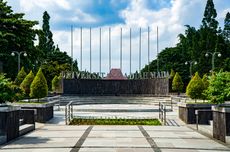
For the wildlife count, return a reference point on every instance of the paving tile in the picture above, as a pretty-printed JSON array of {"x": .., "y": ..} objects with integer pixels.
[
  {"x": 116, "y": 150},
  {"x": 43, "y": 142},
  {"x": 37, "y": 150},
  {"x": 115, "y": 134},
  {"x": 116, "y": 142},
  {"x": 114, "y": 128}
]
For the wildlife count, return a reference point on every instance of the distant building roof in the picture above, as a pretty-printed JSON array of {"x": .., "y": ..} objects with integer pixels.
[{"x": 115, "y": 74}]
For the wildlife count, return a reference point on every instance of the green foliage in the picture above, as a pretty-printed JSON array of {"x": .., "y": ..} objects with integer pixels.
[
  {"x": 25, "y": 85},
  {"x": 172, "y": 74},
  {"x": 210, "y": 14},
  {"x": 56, "y": 84},
  {"x": 219, "y": 87},
  {"x": 194, "y": 44},
  {"x": 195, "y": 87},
  {"x": 9, "y": 91},
  {"x": 46, "y": 43},
  {"x": 20, "y": 77},
  {"x": 226, "y": 31},
  {"x": 177, "y": 84},
  {"x": 51, "y": 69},
  {"x": 80, "y": 121},
  {"x": 39, "y": 88},
  {"x": 16, "y": 34},
  {"x": 205, "y": 81}
]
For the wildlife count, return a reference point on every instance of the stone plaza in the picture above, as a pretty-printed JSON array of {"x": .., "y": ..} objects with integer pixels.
[{"x": 56, "y": 136}]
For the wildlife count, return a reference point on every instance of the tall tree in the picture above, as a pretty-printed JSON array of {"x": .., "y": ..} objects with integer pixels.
[
  {"x": 209, "y": 20},
  {"x": 46, "y": 43},
  {"x": 226, "y": 31},
  {"x": 16, "y": 34}
]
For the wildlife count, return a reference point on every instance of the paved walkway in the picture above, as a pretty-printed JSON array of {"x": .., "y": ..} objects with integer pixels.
[{"x": 55, "y": 136}]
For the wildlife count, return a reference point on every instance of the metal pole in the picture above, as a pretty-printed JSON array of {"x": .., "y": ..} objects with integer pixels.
[
  {"x": 90, "y": 51},
  {"x": 148, "y": 51},
  {"x": 140, "y": 52},
  {"x": 164, "y": 115},
  {"x": 121, "y": 51},
  {"x": 213, "y": 63},
  {"x": 81, "y": 49},
  {"x": 157, "y": 51},
  {"x": 72, "y": 49},
  {"x": 130, "y": 57},
  {"x": 19, "y": 61},
  {"x": 100, "y": 54},
  {"x": 109, "y": 48}
]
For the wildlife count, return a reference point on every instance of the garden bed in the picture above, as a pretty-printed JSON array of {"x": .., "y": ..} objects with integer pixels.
[{"x": 103, "y": 121}]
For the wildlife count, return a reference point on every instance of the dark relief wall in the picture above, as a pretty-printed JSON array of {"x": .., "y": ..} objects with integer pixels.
[{"x": 157, "y": 86}]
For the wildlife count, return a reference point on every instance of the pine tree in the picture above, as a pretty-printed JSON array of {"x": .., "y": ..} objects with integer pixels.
[
  {"x": 195, "y": 87},
  {"x": 20, "y": 77},
  {"x": 46, "y": 43},
  {"x": 25, "y": 85},
  {"x": 209, "y": 20},
  {"x": 226, "y": 31},
  {"x": 177, "y": 84},
  {"x": 39, "y": 88}
]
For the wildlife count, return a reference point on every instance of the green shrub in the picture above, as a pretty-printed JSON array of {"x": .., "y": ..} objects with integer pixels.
[
  {"x": 25, "y": 85},
  {"x": 172, "y": 74},
  {"x": 205, "y": 81},
  {"x": 39, "y": 88},
  {"x": 177, "y": 84},
  {"x": 195, "y": 87},
  {"x": 56, "y": 84},
  {"x": 206, "y": 84},
  {"x": 20, "y": 77},
  {"x": 9, "y": 91},
  {"x": 219, "y": 87}
]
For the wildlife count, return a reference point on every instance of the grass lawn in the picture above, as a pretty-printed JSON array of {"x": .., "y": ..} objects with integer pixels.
[{"x": 83, "y": 121}]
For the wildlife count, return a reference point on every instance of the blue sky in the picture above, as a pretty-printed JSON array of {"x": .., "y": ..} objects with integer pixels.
[{"x": 169, "y": 15}]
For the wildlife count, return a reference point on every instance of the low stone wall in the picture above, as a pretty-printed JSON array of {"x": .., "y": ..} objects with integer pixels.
[
  {"x": 27, "y": 116},
  {"x": 9, "y": 122},
  {"x": 157, "y": 86},
  {"x": 42, "y": 114},
  {"x": 187, "y": 113},
  {"x": 221, "y": 123}
]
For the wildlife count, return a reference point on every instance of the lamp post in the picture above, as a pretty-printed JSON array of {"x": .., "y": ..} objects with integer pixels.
[
  {"x": 213, "y": 58},
  {"x": 190, "y": 66},
  {"x": 19, "y": 54}
]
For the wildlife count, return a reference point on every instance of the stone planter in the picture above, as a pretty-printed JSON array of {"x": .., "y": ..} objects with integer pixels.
[
  {"x": 187, "y": 112},
  {"x": 221, "y": 122},
  {"x": 9, "y": 123},
  {"x": 43, "y": 112}
]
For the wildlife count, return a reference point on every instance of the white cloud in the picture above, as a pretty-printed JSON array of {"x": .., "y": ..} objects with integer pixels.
[
  {"x": 170, "y": 20},
  {"x": 44, "y": 4},
  {"x": 223, "y": 13}
]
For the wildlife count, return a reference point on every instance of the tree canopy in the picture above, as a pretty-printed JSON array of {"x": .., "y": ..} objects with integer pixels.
[{"x": 194, "y": 44}]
